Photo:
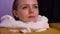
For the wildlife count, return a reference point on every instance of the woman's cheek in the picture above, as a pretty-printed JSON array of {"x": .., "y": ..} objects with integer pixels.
[
  {"x": 36, "y": 13},
  {"x": 25, "y": 12}
]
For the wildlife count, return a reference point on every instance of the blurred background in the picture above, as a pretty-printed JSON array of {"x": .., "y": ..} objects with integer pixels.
[{"x": 49, "y": 8}]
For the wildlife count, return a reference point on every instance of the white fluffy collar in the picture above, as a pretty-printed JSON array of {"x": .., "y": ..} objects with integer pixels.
[{"x": 40, "y": 25}]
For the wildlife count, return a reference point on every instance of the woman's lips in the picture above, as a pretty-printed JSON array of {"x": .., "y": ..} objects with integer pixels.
[{"x": 31, "y": 16}]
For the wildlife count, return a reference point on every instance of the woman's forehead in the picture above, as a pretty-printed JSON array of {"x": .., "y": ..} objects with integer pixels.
[{"x": 27, "y": 1}]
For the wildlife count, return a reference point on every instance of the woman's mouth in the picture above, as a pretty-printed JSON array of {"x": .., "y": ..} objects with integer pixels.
[{"x": 31, "y": 16}]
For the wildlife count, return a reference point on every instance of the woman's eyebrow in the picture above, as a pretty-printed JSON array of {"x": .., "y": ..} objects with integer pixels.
[
  {"x": 28, "y": 4},
  {"x": 35, "y": 4},
  {"x": 24, "y": 4}
]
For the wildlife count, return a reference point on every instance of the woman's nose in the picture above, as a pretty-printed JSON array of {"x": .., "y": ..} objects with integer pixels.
[{"x": 31, "y": 10}]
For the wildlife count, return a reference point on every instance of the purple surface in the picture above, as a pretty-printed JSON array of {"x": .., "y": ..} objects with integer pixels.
[{"x": 5, "y": 7}]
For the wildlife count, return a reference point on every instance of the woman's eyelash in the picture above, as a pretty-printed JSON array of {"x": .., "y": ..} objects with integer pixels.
[
  {"x": 35, "y": 6},
  {"x": 24, "y": 7}
]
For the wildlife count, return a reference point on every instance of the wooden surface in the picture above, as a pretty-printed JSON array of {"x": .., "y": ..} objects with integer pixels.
[{"x": 55, "y": 25}]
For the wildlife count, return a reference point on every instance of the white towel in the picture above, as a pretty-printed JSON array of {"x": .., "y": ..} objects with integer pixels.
[{"x": 9, "y": 22}]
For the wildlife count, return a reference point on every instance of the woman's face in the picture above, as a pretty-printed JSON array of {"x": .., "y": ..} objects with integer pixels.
[{"x": 27, "y": 10}]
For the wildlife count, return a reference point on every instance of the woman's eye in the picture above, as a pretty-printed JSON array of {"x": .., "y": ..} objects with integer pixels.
[
  {"x": 24, "y": 8},
  {"x": 35, "y": 6}
]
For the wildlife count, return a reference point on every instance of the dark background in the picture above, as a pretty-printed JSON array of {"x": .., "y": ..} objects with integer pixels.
[{"x": 51, "y": 9}]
